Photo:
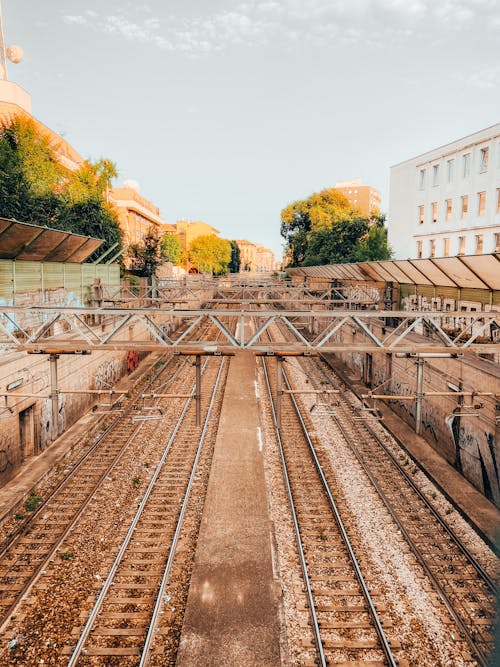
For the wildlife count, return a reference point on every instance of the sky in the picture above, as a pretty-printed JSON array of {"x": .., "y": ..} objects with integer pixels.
[{"x": 226, "y": 111}]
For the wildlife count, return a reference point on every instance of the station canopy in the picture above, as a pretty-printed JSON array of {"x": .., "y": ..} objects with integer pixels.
[
  {"x": 23, "y": 241},
  {"x": 466, "y": 271}
]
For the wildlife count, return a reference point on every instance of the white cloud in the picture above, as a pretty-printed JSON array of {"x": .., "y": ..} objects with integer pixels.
[
  {"x": 487, "y": 78},
  {"x": 286, "y": 22},
  {"x": 78, "y": 20}
]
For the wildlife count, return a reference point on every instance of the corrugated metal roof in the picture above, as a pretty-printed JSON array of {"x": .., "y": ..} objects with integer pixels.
[
  {"x": 23, "y": 241},
  {"x": 471, "y": 271}
]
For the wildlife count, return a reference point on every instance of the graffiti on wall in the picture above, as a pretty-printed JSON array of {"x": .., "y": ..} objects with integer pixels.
[
  {"x": 476, "y": 458},
  {"x": 108, "y": 374},
  {"x": 48, "y": 431},
  {"x": 6, "y": 445}
]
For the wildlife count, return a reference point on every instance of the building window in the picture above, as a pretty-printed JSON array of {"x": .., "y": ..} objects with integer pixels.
[
  {"x": 422, "y": 179},
  {"x": 451, "y": 170},
  {"x": 497, "y": 242},
  {"x": 465, "y": 205},
  {"x": 483, "y": 159},
  {"x": 434, "y": 211},
  {"x": 481, "y": 203},
  {"x": 446, "y": 247},
  {"x": 435, "y": 174},
  {"x": 461, "y": 245},
  {"x": 479, "y": 243},
  {"x": 448, "y": 209},
  {"x": 421, "y": 214},
  {"x": 419, "y": 249},
  {"x": 466, "y": 165},
  {"x": 432, "y": 248}
]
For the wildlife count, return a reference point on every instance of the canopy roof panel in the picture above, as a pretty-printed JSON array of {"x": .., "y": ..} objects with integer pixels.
[
  {"x": 23, "y": 241},
  {"x": 473, "y": 271}
]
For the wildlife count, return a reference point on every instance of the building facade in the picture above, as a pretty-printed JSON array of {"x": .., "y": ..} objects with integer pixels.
[
  {"x": 136, "y": 214},
  {"x": 446, "y": 202},
  {"x": 364, "y": 198},
  {"x": 189, "y": 230},
  {"x": 264, "y": 259},
  {"x": 255, "y": 258}
]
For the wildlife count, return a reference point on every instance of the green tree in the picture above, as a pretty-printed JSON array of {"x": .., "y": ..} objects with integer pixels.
[
  {"x": 146, "y": 257},
  {"x": 337, "y": 244},
  {"x": 35, "y": 187},
  {"x": 318, "y": 212},
  {"x": 373, "y": 246},
  {"x": 210, "y": 254},
  {"x": 171, "y": 250},
  {"x": 235, "y": 261}
]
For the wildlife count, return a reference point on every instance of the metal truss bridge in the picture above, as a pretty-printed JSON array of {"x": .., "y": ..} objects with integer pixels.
[{"x": 313, "y": 331}]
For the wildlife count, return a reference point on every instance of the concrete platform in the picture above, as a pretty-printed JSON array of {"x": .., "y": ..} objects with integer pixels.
[
  {"x": 479, "y": 512},
  {"x": 232, "y": 615}
]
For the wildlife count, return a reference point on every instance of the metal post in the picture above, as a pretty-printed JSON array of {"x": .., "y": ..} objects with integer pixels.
[
  {"x": 54, "y": 394},
  {"x": 242, "y": 330},
  {"x": 279, "y": 390},
  {"x": 198, "y": 389},
  {"x": 420, "y": 395}
]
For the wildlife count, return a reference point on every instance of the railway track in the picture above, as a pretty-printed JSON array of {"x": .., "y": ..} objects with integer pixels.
[
  {"x": 128, "y": 612},
  {"x": 347, "y": 627},
  {"x": 30, "y": 557},
  {"x": 464, "y": 587},
  {"x": 24, "y": 555}
]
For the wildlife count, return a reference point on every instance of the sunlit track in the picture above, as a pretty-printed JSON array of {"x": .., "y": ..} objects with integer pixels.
[
  {"x": 465, "y": 588},
  {"x": 126, "y": 615},
  {"x": 346, "y": 625},
  {"x": 26, "y": 552}
]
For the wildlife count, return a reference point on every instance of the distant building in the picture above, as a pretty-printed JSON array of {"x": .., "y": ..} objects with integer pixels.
[
  {"x": 136, "y": 214},
  {"x": 446, "y": 202},
  {"x": 365, "y": 198},
  {"x": 255, "y": 257},
  {"x": 248, "y": 255},
  {"x": 264, "y": 260}
]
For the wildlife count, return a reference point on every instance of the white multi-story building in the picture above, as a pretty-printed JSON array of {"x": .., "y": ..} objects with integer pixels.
[{"x": 447, "y": 202}]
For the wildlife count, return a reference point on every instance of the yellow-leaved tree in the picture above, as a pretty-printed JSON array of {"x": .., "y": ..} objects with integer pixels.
[{"x": 210, "y": 254}]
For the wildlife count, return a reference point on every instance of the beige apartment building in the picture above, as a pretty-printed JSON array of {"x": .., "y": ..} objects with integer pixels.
[
  {"x": 136, "y": 214},
  {"x": 365, "y": 198},
  {"x": 254, "y": 257},
  {"x": 264, "y": 259}
]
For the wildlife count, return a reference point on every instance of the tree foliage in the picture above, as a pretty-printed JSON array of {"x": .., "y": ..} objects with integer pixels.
[
  {"x": 210, "y": 254},
  {"x": 146, "y": 257},
  {"x": 324, "y": 229},
  {"x": 171, "y": 250},
  {"x": 35, "y": 187},
  {"x": 235, "y": 261},
  {"x": 374, "y": 246}
]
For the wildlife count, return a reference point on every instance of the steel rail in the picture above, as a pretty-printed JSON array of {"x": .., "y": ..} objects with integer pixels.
[
  {"x": 79, "y": 463},
  {"x": 484, "y": 576},
  {"x": 480, "y": 570},
  {"x": 33, "y": 578},
  {"x": 171, "y": 555},
  {"x": 303, "y": 563},
  {"x": 84, "y": 635},
  {"x": 126, "y": 540},
  {"x": 366, "y": 593}
]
